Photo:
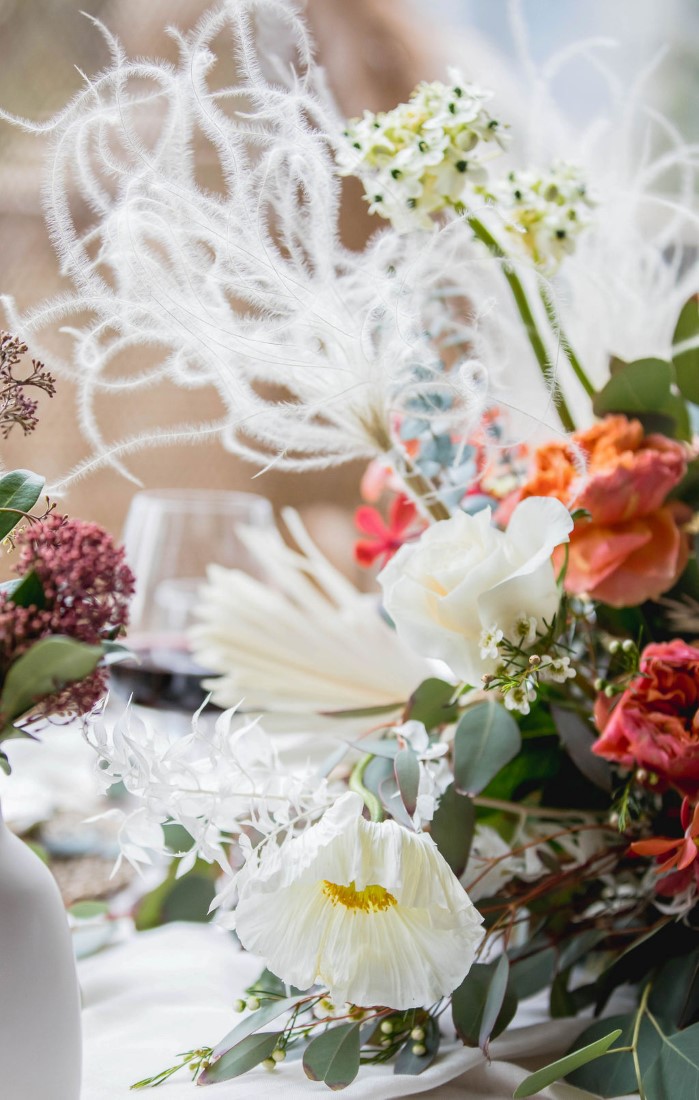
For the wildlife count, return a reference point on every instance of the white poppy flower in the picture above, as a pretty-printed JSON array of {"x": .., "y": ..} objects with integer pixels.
[
  {"x": 372, "y": 911},
  {"x": 464, "y": 579}
]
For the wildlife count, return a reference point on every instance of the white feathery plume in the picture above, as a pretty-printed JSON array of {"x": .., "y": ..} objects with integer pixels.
[
  {"x": 634, "y": 267},
  {"x": 247, "y": 287},
  {"x": 303, "y": 642}
]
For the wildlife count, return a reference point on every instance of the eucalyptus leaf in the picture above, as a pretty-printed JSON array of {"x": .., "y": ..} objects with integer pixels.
[
  {"x": 88, "y": 910},
  {"x": 675, "y": 1072},
  {"x": 387, "y": 747},
  {"x": 535, "y": 1082},
  {"x": 532, "y": 972},
  {"x": 252, "y": 1023},
  {"x": 469, "y": 1000},
  {"x": 452, "y": 828},
  {"x": 639, "y": 387},
  {"x": 414, "y": 1064},
  {"x": 615, "y": 1074},
  {"x": 333, "y": 1056},
  {"x": 577, "y": 737},
  {"x": 243, "y": 1057},
  {"x": 674, "y": 997},
  {"x": 29, "y": 592},
  {"x": 431, "y": 703},
  {"x": 407, "y": 769},
  {"x": 48, "y": 666},
  {"x": 19, "y": 492},
  {"x": 494, "y": 1001},
  {"x": 486, "y": 738},
  {"x": 685, "y": 350}
]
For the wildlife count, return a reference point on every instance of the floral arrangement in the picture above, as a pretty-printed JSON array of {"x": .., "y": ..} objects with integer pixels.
[
  {"x": 60, "y": 616},
  {"x": 509, "y": 802}
]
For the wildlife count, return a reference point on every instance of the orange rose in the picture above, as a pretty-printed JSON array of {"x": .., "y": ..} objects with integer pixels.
[{"x": 631, "y": 548}]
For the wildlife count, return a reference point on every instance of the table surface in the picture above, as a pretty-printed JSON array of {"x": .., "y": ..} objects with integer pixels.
[{"x": 172, "y": 989}]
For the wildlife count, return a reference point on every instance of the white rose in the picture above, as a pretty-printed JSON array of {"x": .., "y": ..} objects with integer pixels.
[{"x": 450, "y": 592}]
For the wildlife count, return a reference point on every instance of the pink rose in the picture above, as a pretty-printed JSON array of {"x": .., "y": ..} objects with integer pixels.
[{"x": 655, "y": 724}]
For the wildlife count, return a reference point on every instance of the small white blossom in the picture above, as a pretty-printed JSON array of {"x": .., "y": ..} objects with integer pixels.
[
  {"x": 519, "y": 696},
  {"x": 435, "y": 773},
  {"x": 419, "y": 158},
  {"x": 489, "y": 642},
  {"x": 525, "y": 629},
  {"x": 545, "y": 212},
  {"x": 556, "y": 669}
]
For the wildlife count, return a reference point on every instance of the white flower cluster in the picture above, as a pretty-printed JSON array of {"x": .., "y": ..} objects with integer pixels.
[
  {"x": 435, "y": 773},
  {"x": 419, "y": 158},
  {"x": 545, "y": 211},
  {"x": 215, "y": 783}
]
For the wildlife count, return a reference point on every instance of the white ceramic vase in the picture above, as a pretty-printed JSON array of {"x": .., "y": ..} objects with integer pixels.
[{"x": 40, "y": 1037}]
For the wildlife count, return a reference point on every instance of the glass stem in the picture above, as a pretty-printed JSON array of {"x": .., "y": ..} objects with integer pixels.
[{"x": 528, "y": 319}]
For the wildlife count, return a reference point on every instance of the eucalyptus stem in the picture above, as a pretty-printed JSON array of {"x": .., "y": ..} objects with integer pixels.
[
  {"x": 356, "y": 784},
  {"x": 528, "y": 319},
  {"x": 421, "y": 489},
  {"x": 570, "y": 355}
]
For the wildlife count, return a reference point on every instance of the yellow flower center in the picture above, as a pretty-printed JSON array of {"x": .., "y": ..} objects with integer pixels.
[{"x": 371, "y": 899}]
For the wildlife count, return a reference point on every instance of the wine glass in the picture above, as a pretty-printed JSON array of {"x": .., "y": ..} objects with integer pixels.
[{"x": 170, "y": 537}]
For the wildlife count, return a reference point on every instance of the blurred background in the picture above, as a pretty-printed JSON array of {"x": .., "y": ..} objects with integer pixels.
[{"x": 375, "y": 51}]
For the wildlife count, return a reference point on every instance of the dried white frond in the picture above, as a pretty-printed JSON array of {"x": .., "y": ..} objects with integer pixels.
[
  {"x": 303, "y": 642},
  {"x": 215, "y": 783}
]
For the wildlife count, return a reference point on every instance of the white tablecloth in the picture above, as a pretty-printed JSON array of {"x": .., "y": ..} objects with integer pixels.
[{"x": 172, "y": 989}]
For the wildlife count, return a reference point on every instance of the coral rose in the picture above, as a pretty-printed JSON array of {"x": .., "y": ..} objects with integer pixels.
[
  {"x": 631, "y": 548},
  {"x": 655, "y": 724}
]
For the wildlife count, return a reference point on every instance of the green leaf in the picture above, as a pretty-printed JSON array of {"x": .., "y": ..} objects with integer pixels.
[
  {"x": 245, "y": 1056},
  {"x": 452, "y": 828},
  {"x": 685, "y": 350},
  {"x": 414, "y": 1064},
  {"x": 674, "y": 997},
  {"x": 188, "y": 898},
  {"x": 19, "y": 492},
  {"x": 578, "y": 737},
  {"x": 407, "y": 771},
  {"x": 468, "y": 1003},
  {"x": 639, "y": 387},
  {"x": 486, "y": 738},
  {"x": 615, "y": 1075},
  {"x": 386, "y": 747},
  {"x": 533, "y": 972},
  {"x": 333, "y": 1057},
  {"x": 252, "y": 1023},
  {"x": 88, "y": 910},
  {"x": 535, "y": 1082},
  {"x": 688, "y": 488},
  {"x": 48, "y": 666},
  {"x": 116, "y": 651},
  {"x": 431, "y": 704},
  {"x": 29, "y": 591},
  {"x": 675, "y": 1072},
  {"x": 494, "y": 1001}
]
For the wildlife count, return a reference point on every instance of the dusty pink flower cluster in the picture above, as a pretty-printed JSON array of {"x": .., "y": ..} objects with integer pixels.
[{"x": 86, "y": 585}]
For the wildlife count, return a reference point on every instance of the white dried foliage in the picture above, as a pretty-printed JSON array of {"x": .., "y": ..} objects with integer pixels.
[
  {"x": 301, "y": 642},
  {"x": 218, "y": 784}
]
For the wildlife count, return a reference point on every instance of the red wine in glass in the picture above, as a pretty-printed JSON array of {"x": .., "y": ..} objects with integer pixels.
[{"x": 162, "y": 674}]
